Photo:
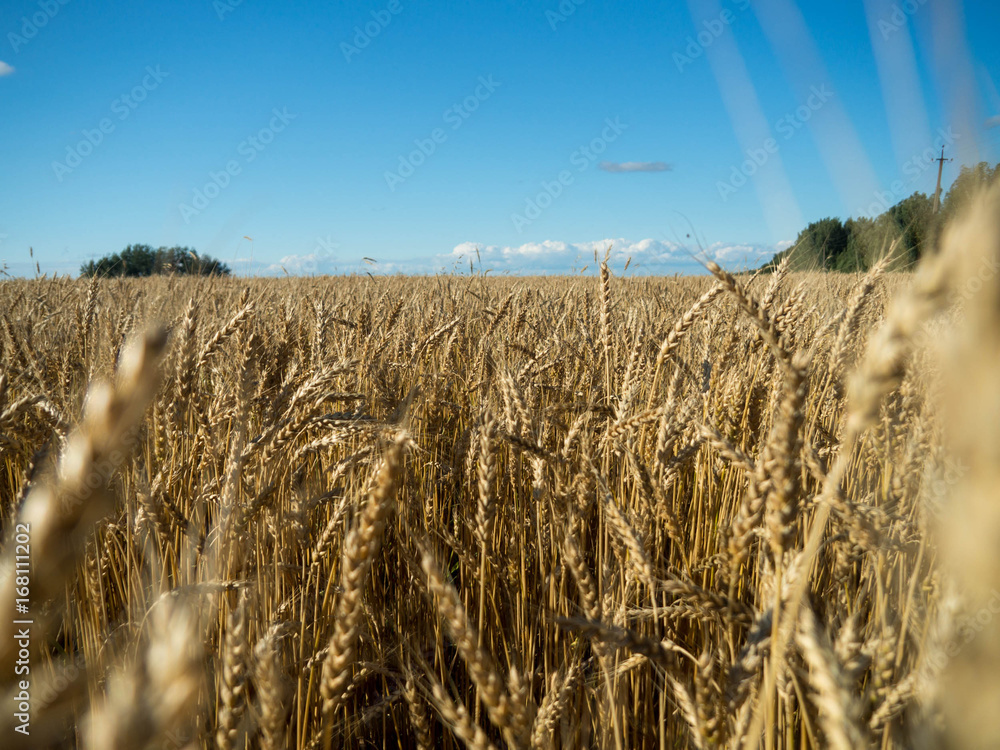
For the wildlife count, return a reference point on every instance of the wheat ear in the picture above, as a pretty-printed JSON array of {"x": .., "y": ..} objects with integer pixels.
[
  {"x": 360, "y": 548},
  {"x": 60, "y": 514}
]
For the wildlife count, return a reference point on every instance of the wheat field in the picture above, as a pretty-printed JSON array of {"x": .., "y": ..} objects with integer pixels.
[{"x": 610, "y": 512}]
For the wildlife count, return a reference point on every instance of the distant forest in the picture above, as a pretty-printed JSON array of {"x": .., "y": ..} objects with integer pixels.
[
  {"x": 908, "y": 229},
  {"x": 143, "y": 260}
]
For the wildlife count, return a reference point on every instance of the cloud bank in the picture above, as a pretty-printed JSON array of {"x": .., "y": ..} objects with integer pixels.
[
  {"x": 546, "y": 257},
  {"x": 5, "y": 69},
  {"x": 636, "y": 166},
  {"x": 649, "y": 256}
]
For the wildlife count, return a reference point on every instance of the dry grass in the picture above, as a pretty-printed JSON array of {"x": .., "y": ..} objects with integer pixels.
[{"x": 436, "y": 512}]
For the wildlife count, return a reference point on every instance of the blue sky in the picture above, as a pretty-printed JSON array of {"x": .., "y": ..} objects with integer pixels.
[{"x": 413, "y": 133}]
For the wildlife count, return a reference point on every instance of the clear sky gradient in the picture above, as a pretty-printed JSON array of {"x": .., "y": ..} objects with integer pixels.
[{"x": 413, "y": 133}]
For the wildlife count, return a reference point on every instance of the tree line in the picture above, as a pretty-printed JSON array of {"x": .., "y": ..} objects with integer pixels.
[
  {"x": 907, "y": 229},
  {"x": 143, "y": 260}
]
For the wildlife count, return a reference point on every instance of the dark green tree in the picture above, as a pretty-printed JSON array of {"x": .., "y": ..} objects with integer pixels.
[
  {"x": 907, "y": 230},
  {"x": 969, "y": 180},
  {"x": 863, "y": 235},
  {"x": 910, "y": 221},
  {"x": 817, "y": 247},
  {"x": 143, "y": 260}
]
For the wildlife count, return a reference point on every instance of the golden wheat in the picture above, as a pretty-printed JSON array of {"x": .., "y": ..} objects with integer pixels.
[{"x": 467, "y": 511}]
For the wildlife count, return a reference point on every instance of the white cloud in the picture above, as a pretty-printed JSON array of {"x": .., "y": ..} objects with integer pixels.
[
  {"x": 993, "y": 122},
  {"x": 308, "y": 264},
  {"x": 649, "y": 256},
  {"x": 635, "y": 166},
  {"x": 743, "y": 256},
  {"x": 545, "y": 257},
  {"x": 561, "y": 257},
  {"x": 5, "y": 69}
]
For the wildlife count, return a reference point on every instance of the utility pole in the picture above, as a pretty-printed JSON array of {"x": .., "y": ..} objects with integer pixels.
[{"x": 937, "y": 193}]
